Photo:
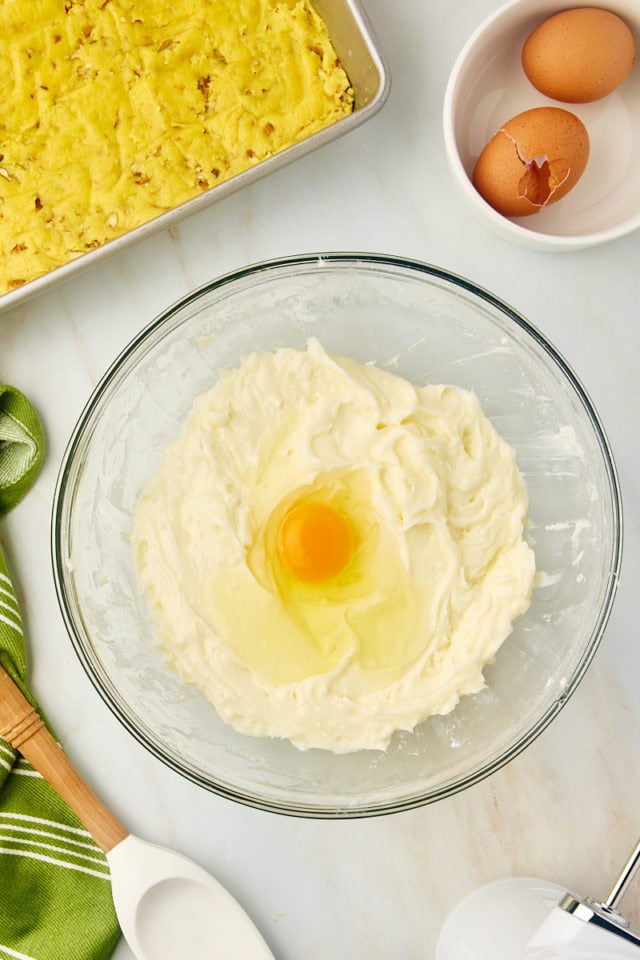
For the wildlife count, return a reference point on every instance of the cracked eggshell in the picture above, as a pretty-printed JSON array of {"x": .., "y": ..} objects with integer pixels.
[{"x": 534, "y": 160}]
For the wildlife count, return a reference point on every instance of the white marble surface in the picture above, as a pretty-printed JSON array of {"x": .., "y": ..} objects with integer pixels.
[{"x": 569, "y": 807}]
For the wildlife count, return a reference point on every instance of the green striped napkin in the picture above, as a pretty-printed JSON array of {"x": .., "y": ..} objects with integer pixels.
[{"x": 55, "y": 892}]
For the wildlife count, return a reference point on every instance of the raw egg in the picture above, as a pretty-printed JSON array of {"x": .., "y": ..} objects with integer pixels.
[
  {"x": 579, "y": 55},
  {"x": 333, "y": 580},
  {"x": 315, "y": 541},
  {"x": 534, "y": 160}
]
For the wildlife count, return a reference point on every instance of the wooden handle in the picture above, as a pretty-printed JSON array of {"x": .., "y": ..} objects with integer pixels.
[{"x": 26, "y": 732}]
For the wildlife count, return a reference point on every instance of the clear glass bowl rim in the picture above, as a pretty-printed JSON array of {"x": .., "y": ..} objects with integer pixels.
[{"x": 163, "y": 324}]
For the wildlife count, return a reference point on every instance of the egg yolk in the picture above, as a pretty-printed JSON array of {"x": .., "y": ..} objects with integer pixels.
[{"x": 315, "y": 542}]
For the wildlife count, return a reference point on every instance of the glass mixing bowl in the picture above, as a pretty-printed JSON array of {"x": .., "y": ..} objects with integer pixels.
[{"x": 429, "y": 326}]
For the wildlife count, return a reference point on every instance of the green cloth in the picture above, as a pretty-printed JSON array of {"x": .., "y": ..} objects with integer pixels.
[{"x": 55, "y": 890}]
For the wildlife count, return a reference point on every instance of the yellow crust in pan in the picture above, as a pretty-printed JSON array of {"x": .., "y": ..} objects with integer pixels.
[{"x": 115, "y": 111}]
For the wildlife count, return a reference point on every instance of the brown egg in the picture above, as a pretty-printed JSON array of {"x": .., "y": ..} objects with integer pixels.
[
  {"x": 532, "y": 161},
  {"x": 579, "y": 55}
]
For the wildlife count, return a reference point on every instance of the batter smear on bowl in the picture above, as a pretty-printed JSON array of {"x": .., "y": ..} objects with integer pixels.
[
  {"x": 115, "y": 112},
  {"x": 329, "y": 552}
]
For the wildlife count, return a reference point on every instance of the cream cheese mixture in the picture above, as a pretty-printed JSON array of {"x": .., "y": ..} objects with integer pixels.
[{"x": 330, "y": 553}]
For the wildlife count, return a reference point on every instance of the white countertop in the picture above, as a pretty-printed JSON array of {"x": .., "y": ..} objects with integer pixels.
[{"x": 568, "y": 808}]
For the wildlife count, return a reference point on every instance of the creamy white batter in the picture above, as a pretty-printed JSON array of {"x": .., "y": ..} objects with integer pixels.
[{"x": 439, "y": 573}]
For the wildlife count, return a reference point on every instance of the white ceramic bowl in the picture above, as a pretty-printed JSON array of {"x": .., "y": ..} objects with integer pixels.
[
  {"x": 426, "y": 325},
  {"x": 488, "y": 86}
]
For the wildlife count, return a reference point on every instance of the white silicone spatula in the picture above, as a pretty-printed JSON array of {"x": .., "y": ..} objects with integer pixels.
[{"x": 167, "y": 906}]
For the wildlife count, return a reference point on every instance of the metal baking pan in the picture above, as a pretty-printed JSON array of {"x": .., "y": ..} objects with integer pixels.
[{"x": 360, "y": 55}]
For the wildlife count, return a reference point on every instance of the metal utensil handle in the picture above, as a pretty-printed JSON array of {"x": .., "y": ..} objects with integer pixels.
[{"x": 621, "y": 885}]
